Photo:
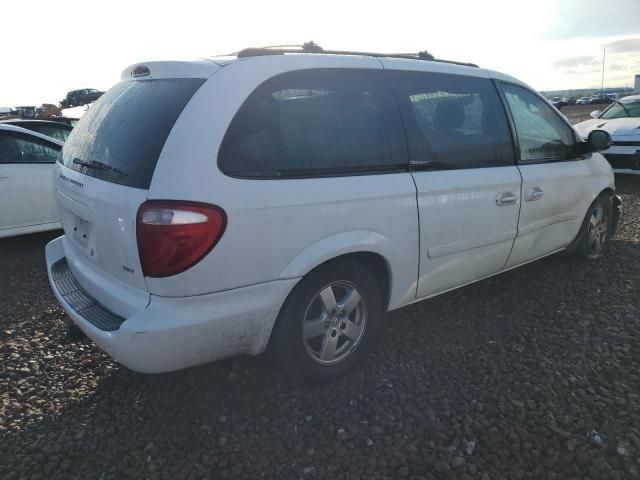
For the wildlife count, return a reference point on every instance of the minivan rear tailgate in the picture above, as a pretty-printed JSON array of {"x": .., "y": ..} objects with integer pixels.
[
  {"x": 103, "y": 175},
  {"x": 99, "y": 221}
]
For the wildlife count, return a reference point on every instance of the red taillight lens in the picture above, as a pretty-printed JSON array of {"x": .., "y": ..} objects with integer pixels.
[{"x": 174, "y": 236}]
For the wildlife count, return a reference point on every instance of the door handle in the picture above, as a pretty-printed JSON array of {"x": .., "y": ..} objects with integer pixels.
[
  {"x": 534, "y": 193},
  {"x": 506, "y": 198}
]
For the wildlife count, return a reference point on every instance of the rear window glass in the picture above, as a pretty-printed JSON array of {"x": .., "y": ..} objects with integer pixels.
[{"x": 121, "y": 136}]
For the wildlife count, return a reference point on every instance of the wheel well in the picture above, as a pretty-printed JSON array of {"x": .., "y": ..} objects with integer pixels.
[
  {"x": 378, "y": 267},
  {"x": 572, "y": 246},
  {"x": 608, "y": 190},
  {"x": 375, "y": 263}
]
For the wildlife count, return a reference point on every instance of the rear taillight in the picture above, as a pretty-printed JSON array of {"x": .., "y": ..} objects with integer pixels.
[{"x": 173, "y": 236}]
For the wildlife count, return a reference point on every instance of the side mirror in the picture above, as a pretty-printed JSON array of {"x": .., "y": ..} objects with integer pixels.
[
  {"x": 599, "y": 140},
  {"x": 595, "y": 113}
]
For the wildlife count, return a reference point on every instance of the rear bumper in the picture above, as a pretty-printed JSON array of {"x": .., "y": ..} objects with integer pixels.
[{"x": 174, "y": 333}]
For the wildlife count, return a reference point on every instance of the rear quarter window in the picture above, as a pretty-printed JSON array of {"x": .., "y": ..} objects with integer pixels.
[
  {"x": 120, "y": 137},
  {"x": 315, "y": 122}
]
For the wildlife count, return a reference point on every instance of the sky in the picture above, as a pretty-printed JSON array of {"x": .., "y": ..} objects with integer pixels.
[{"x": 50, "y": 47}]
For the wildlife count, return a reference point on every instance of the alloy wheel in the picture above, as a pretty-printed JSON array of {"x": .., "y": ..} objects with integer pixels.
[
  {"x": 334, "y": 323},
  {"x": 598, "y": 230}
]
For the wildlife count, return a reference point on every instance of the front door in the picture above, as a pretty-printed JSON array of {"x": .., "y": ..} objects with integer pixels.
[
  {"x": 556, "y": 190},
  {"x": 468, "y": 186}
]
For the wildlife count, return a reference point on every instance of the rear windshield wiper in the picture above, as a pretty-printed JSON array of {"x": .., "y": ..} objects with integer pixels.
[
  {"x": 96, "y": 165},
  {"x": 431, "y": 165}
]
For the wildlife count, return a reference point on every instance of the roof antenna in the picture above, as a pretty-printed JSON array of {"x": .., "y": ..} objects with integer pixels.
[{"x": 311, "y": 47}]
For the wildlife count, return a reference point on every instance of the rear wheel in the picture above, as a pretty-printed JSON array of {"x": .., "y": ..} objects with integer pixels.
[
  {"x": 329, "y": 322},
  {"x": 594, "y": 236}
]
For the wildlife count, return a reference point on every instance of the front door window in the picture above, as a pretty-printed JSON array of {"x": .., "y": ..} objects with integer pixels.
[{"x": 542, "y": 134}]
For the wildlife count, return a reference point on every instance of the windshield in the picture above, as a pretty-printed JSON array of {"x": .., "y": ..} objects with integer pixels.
[{"x": 623, "y": 109}]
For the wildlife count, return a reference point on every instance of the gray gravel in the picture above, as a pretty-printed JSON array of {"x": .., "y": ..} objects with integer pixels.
[{"x": 532, "y": 374}]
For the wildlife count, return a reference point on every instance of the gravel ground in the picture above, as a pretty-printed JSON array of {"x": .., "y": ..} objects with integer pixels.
[{"x": 531, "y": 374}]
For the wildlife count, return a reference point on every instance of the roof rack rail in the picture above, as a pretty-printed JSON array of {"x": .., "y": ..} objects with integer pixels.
[{"x": 312, "y": 47}]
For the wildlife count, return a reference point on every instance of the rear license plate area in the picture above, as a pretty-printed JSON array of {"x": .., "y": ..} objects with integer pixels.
[{"x": 81, "y": 230}]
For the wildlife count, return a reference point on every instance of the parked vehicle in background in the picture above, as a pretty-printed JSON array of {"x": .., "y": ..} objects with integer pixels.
[
  {"x": 5, "y": 111},
  {"x": 570, "y": 100},
  {"x": 600, "y": 100},
  {"x": 27, "y": 202},
  {"x": 77, "y": 98},
  {"x": 58, "y": 130},
  {"x": 622, "y": 121},
  {"x": 321, "y": 191},
  {"x": 613, "y": 96},
  {"x": 75, "y": 112},
  {"x": 583, "y": 101},
  {"x": 26, "y": 111},
  {"x": 50, "y": 110},
  {"x": 72, "y": 122},
  {"x": 558, "y": 102}
]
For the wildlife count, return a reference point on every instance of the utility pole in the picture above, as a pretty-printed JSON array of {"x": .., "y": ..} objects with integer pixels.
[{"x": 604, "y": 52}]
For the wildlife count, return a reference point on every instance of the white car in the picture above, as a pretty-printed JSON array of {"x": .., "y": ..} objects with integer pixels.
[
  {"x": 58, "y": 130},
  {"x": 288, "y": 198},
  {"x": 27, "y": 202},
  {"x": 583, "y": 101},
  {"x": 621, "y": 120}
]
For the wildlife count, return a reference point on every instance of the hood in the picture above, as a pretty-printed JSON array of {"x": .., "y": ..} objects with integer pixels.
[{"x": 616, "y": 127}]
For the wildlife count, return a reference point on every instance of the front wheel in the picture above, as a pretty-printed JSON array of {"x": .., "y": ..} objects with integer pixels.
[
  {"x": 596, "y": 229},
  {"x": 331, "y": 320}
]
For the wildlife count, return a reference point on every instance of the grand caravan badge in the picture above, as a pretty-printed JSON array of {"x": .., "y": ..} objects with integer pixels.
[{"x": 71, "y": 181}]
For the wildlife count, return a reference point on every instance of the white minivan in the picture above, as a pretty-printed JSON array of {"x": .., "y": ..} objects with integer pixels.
[{"x": 284, "y": 199}]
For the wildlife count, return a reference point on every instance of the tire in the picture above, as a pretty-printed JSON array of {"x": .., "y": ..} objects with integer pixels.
[
  {"x": 595, "y": 233},
  {"x": 321, "y": 332}
]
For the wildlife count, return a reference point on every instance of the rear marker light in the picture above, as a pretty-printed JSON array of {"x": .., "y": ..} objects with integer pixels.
[
  {"x": 140, "y": 71},
  {"x": 173, "y": 236}
]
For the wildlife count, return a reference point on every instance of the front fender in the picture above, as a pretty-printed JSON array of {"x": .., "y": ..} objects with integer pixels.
[{"x": 603, "y": 178}]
